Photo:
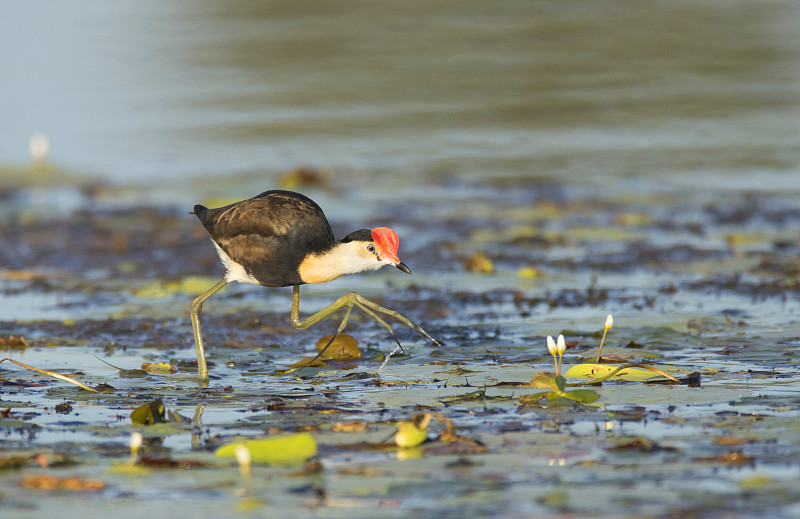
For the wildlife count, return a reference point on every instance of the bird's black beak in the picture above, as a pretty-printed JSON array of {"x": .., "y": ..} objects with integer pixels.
[{"x": 402, "y": 266}]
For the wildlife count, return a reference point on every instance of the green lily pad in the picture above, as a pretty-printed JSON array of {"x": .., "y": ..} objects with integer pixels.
[
  {"x": 596, "y": 371},
  {"x": 282, "y": 450}
]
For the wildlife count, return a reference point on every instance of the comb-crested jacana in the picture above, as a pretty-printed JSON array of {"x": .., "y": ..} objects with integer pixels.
[{"x": 281, "y": 238}]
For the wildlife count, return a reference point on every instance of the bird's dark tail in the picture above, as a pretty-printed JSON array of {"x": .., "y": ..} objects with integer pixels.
[{"x": 199, "y": 209}]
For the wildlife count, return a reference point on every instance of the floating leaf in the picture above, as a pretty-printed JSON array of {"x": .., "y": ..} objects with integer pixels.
[
  {"x": 550, "y": 400},
  {"x": 282, "y": 450},
  {"x": 169, "y": 463},
  {"x": 11, "y": 342},
  {"x": 756, "y": 482},
  {"x": 624, "y": 372},
  {"x": 344, "y": 347},
  {"x": 728, "y": 440},
  {"x": 47, "y": 482},
  {"x": 126, "y": 469},
  {"x": 149, "y": 414},
  {"x": 633, "y": 219},
  {"x": 533, "y": 400},
  {"x": 528, "y": 273},
  {"x": 474, "y": 396},
  {"x": 622, "y": 354},
  {"x": 303, "y": 176},
  {"x": 547, "y": 380},
  {"x": 556, "y": 499},
  {"x": 557, "y": 396},
  {"x": 250, "y": 504},
  {"x": 584, "y": 396},
  {"x": 747, "y": 239},
  {"x": 349, "y": 427},
  {"x": 159, "y": 368},
  {"x": 414, "y": 432},
  {"x": 480, "y": 263},
  {"x": 14, "y": 462},
  {"x": 308, "y": 362},
  {"x": 638, "y": 443}
]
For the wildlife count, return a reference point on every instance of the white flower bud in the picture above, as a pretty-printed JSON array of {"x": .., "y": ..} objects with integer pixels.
[
  {"x": 242, "y": 454},
  {"x": 551, "y": 345},
  {"x": 561, "y": 345},
  {"x": 136, "y": 441},
  {"x": 39, "y": 146}
]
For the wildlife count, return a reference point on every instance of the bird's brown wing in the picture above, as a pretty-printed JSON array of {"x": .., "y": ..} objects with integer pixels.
[{"x": 269, "y": 234}]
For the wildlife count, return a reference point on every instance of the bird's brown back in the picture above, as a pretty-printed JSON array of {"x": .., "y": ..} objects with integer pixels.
[{"x": 269, "y": 234}]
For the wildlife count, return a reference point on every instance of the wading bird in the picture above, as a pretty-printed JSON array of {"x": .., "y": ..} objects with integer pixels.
[{"x": 282, "y": 238}]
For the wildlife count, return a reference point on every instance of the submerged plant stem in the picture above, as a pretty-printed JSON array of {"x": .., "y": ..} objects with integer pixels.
[{"x": 52, "y": 374}]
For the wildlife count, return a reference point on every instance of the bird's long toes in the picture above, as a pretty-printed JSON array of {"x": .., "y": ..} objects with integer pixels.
[
  {"x": 426, "y": 335},
  {"x": 399, "y": 344},
  {"x": 391, "y": 332}
]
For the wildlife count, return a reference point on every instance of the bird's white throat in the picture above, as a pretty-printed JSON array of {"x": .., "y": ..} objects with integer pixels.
[{"x": 344, "y": 258}]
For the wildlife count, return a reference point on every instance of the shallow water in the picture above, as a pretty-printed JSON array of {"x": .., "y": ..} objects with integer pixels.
[
  {"x": 603, "y": 157},
  {"x": 595, "y": 92}
]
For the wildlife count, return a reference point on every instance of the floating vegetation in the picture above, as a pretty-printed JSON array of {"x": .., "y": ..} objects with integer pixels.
[
  {"x": 51, "y": 374},
  {"x": 283, "y": 450},
  {"x": 505, "y": 408}
]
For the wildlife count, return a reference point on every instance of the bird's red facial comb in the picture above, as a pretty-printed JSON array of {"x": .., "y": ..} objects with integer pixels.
[{"x": 388, "y": 242}]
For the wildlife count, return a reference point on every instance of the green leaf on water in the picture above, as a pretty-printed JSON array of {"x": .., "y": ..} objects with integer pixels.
[
  {"x": 620, "y": 372},
  {"x": 149, "y": 414},
  {"x": 757, "y": 482},
  {"x": 282, "y": 450},
  {"x": 547, "y": 380},
  {"x": 584, "y": 396},
  {"x": 159, "y": 368},
  {"x": 556, "y": 400},
  {"x": 413, "y": 432},
  {"x": 557, "y": 397},
  {"x": 126, "y": 469}
]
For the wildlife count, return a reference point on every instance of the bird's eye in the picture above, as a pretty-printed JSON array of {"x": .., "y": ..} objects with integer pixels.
[{"x": 371, "y": 248}]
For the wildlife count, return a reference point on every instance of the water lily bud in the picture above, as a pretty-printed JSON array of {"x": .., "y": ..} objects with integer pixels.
[
  {"x": 243, "y": 458},
  {"x": 561, "y": 345},
  {"x": 39, "y": 146},
  {"x": 136, "y": 441},
  {"x": 609, "y": 323},
  {"x": 551, "y": 345}
]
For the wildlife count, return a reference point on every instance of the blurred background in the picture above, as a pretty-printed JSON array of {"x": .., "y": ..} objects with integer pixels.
[
  {"x": 597, "y": 94},
  {"x": 523, "y": 146}
]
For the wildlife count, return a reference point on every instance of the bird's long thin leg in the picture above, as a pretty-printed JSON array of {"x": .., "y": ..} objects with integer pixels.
[
  {"x": 330, "y": 341},
  {"x": 310, "y": 321},
  {"x": 194, "y": 312},
  {"x": 383, "y": 323},
  {"x": 350, "y": 299},
  {"x": 399, "y": 317}
]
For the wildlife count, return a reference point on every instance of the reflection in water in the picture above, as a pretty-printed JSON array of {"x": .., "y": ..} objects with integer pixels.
[{"x": 515, "y": 88}]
